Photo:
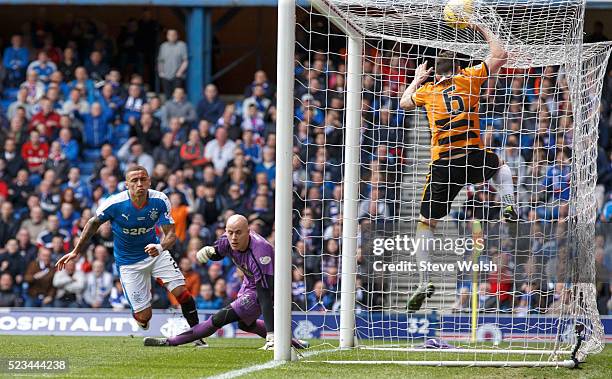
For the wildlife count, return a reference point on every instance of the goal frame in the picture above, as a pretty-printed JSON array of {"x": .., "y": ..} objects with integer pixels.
[{"x": 352, "y": 146}]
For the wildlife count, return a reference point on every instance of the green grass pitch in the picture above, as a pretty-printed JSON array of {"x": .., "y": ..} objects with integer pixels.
[{"x": 121, "y": 357}]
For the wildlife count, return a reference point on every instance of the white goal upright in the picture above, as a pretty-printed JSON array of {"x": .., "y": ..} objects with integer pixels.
[{"x": 353, "y": 165}]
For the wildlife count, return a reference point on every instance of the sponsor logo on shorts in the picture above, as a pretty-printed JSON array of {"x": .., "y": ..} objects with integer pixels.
[{"x": 265, "y": 260}]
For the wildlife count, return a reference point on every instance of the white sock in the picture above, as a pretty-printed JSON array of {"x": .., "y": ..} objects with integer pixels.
[
  {"x": 424, "y": 235},
  {"x": 504, "y": 184}
]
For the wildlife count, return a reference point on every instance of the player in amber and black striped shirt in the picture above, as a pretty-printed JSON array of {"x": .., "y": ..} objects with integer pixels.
[{"x": 457, "y": 152}]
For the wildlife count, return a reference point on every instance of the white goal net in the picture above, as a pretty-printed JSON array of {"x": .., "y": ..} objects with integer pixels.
[{"x": 357, "y": 197}]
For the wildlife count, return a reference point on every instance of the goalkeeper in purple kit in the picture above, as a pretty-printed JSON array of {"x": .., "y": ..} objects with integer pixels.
[{"x": 252, "y": 254}]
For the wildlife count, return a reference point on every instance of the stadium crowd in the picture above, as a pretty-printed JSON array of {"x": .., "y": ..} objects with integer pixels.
[{"x": 72, "y": 123}]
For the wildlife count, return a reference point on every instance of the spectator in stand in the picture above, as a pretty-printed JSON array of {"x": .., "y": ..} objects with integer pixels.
[
  {"x": 39, "y": 276},
  {"x": 168, "y": 153},
  {"x": 27, "y": 247},
  {"x": 57, "y": 162},
  {"x": 268, "y": 164},
  {"x": 67, "y": 216},
  {"x": 12, "y": 262},
  {"x": 147, "y": 131},
  {"x": 96, "y": 127},
  {"x": 53, "y": 52},
  {"x": 206, "y": 299},
  {"x": 133, "y": 152},
  {"x": 82, "y": 82},
  {"x": 253, "y": 121},
  {"x": 46, "y": 121},
  {"x": 193, "y": 151},
  {"x": 9, "y": 224},
  {"x": 180, "y": 213},
  {"x": 597, "y": 35},
  {"x": 96, "y": 68},
  {"x": 500, "y": 284},
  {"x": 15, "y": 61},
  {"x": 180, "y": 108},
  {"x": 172, "y": 62},
  {"x": 220, "y": 286},
  {"x": 20, "y": 189},
  {"x": 13, "y": 159},
  {"x": 132, "y": 108},
  {"x": 204, "y": 132},
  {"x": 81, "y": 191},
  {"x": 210, "y": 108},
  {"x": 258, "y": 99},
  {"x": 45, "y": 238},
  {"x": 43, "y": 67},
  {"x": 49, "y": 198},
  {"x": 319, "y": 299},
  {"x": 192, "y": 280},
  {"x": 70, "y": 284},
  {"x": 8, "y": 292},
  {"x": 75, "y": 104},
  {"x": 57, "y": 82},
  {"x": 35, "y": 223},
  {"x": 68, "y": 64},
  {"x": 98, "y": 285},
  {"x": 220, "y": 150},
  {"x": 252, "y": 150},
  {"x": 34, "y": 87},
  {"x": 21, "y": 102},
  {"x": 110, "y": 102},
  {"x": 35, "y": 152},
  {"x": 117, "y": 298},
  {"x": 69, "y": 146},
  {"x": 260, "y": 79}
]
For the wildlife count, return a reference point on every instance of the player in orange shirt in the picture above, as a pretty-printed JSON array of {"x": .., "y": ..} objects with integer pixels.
[{"x": 457, "y": 152}]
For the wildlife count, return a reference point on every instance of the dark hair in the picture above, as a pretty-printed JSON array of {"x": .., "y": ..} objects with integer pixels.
[
  {"x": 445, "y": 63},
  {"x": 135, "y": 168}
]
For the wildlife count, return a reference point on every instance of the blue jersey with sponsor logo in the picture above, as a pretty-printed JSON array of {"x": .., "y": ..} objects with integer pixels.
[{"x": 134, "y": 228}]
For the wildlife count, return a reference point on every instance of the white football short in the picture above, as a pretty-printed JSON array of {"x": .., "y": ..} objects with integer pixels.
[{"x": 136, "y": 279}]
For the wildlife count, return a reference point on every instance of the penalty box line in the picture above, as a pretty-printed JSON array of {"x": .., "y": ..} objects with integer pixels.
[{"x": 264, "y": 366}]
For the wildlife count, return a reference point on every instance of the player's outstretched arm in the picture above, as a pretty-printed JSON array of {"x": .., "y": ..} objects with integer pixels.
[
  {"x": 88, "y": 231},
  {"x": 167, "y": 241},
  {"x": 499, "y": 56},
  {"x": 420, "y": 75}
]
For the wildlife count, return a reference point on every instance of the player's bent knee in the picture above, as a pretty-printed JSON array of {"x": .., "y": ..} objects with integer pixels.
[{"x": 176, "y": 287}]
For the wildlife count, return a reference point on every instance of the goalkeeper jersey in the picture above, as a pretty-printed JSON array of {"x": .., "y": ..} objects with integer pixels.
[{"x": 452, "y": 111}]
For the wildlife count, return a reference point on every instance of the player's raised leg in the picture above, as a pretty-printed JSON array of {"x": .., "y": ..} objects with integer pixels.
[
  {"x": 205, "y": 329},
  {"x": 424, "y": 234},
  {"x": 167, "y": 271},
  {"x": 505, "y": 185}
]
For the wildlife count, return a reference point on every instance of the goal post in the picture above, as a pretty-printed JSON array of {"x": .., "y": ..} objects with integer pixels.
[{"x": 354, "y": 165}]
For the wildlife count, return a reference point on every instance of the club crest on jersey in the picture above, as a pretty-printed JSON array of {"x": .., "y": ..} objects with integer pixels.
[
  {"x": 245, "y": 299},
  {"x": 153, "y": 214},
  {"x": 265, "y": 260}
]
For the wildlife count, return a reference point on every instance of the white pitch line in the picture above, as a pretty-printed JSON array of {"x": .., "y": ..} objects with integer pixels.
[{"x": 263, "y": 366}]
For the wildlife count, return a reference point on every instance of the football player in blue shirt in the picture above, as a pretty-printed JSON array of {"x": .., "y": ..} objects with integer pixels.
[{"x": 139, "y": 253}]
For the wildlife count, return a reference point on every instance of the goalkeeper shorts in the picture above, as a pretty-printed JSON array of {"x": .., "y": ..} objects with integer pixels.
[{"x": 447, "y": 177}]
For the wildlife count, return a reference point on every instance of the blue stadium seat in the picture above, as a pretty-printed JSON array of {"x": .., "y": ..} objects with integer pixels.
[
  {"x": 86, "y": 168},
  {"x": 10, "y": 94},
  {"x": 5, "y": 103},
  {"x": 121, "y": 131},
  {"x": 91, "y": 155}
]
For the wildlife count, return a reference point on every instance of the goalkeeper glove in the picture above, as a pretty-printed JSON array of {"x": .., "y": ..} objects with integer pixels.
[
  {"x": 269, "y": 342},
  {"x": 204, "y": 254}
]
